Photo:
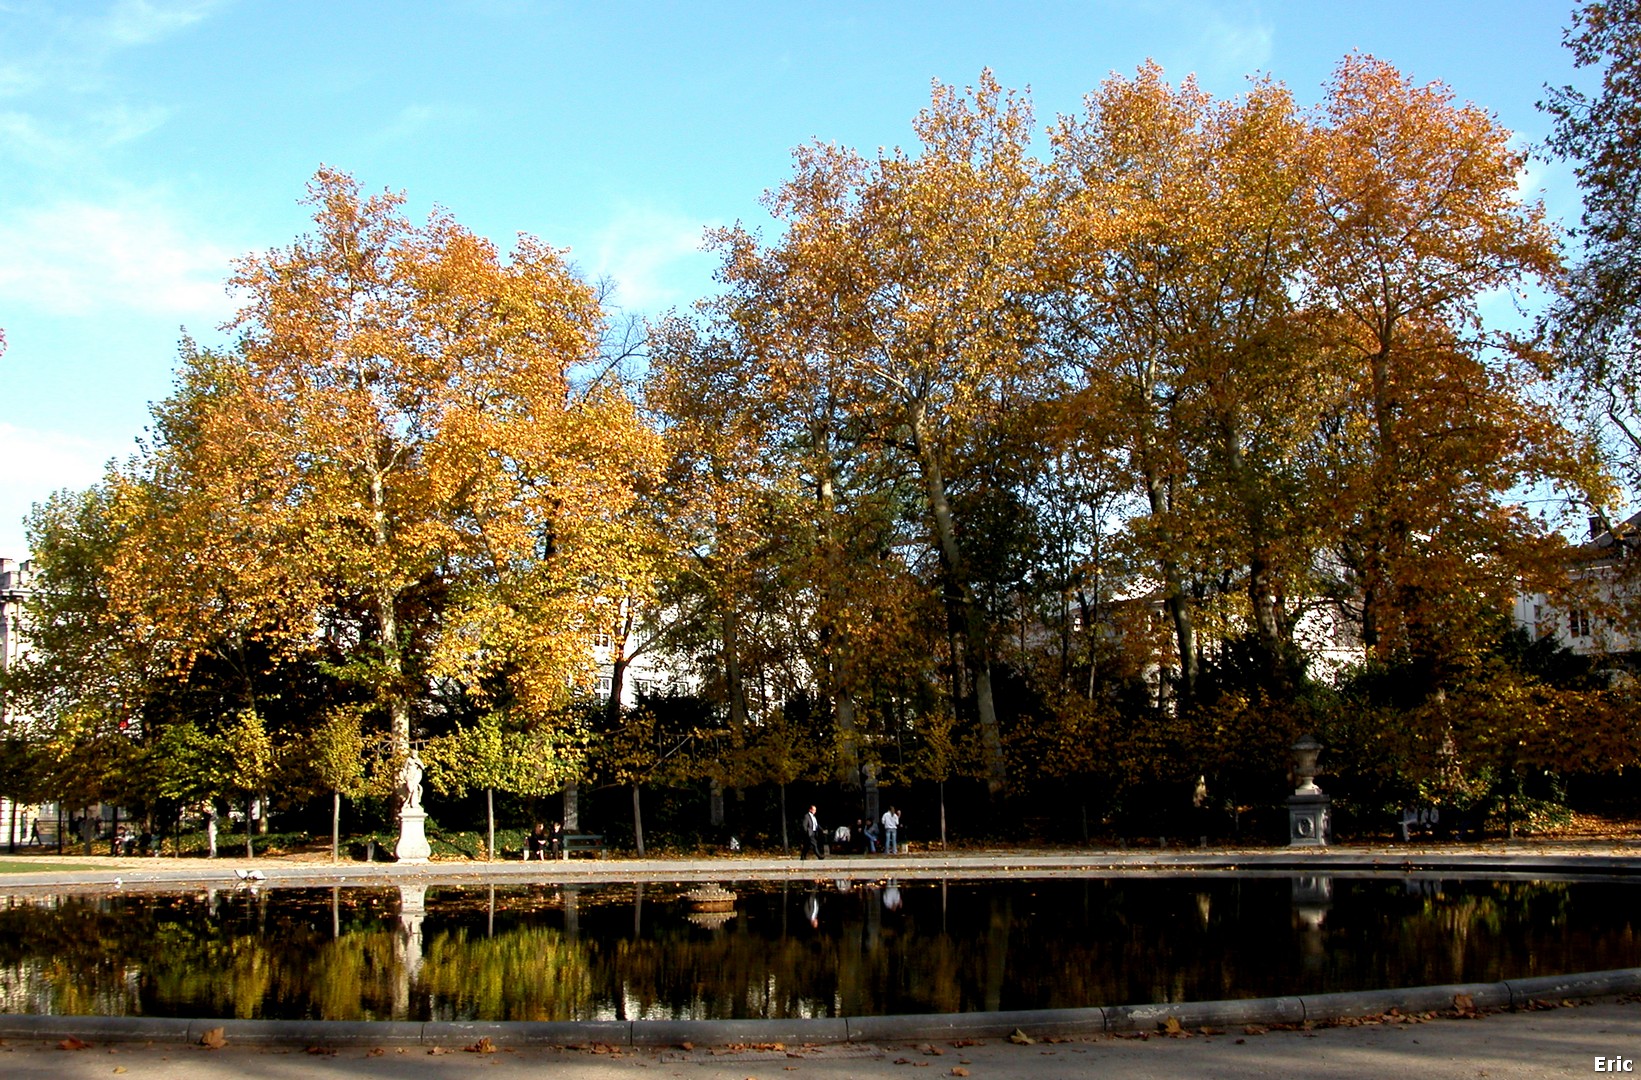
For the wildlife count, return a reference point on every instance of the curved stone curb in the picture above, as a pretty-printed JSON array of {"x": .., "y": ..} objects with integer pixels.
[
  {"x": 1512, "y": 864},
  {"x": 1314, "y": 1008}
]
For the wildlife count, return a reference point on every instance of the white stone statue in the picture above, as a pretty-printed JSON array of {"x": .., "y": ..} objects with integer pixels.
[{"x": 411, "y": 787}]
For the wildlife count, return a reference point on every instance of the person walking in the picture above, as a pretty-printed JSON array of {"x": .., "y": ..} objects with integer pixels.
[
  {"x": 812, "y": 833},
  {"x": 891, "y": 831}
]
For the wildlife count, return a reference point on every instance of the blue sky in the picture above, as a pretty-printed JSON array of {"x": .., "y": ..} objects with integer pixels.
[{"x": 144, "y": 144}]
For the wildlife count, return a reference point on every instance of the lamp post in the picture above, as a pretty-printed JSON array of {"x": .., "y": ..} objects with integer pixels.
[{"x": 1310, "y": 813}]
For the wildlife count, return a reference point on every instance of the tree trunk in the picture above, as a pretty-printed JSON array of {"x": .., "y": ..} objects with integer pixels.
[
  {"x": 734, "y": 684},
  {"x": 619, "y": 661},
  {"x": 211, "y": 832},
  {"x": 572, "y": 807},
  {"x": 974, "y": 619},
  {"x": 839, "y": 669},
  {"x": 1177, "y": 602},
  {"x": 250, "y": 827},
  {"x": 637, "y": 822},
  {"x": 335, "y": 825},
  {"x": 942, "y": 815},
  {"x": 786, "y": 846},
  {"x": 490, "y": 823}
]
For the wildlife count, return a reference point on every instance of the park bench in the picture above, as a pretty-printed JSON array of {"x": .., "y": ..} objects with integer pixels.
[
  {"x": 1423, "y": 818},
  {"x": 583, "y": 842}
]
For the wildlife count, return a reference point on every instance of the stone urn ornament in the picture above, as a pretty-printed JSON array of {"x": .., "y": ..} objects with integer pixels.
[{"x": 1310, "y": 812}]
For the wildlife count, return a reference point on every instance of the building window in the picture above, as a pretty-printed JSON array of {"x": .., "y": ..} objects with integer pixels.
[
  {"x": 601, "y": 640},
  {"x": 604, "y": 685},
  {"x": 1578, "y": 623}
]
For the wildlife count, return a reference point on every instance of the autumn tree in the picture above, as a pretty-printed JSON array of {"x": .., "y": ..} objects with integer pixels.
[
  {"x": 901, "y": 287},
  {"x": 401, "y": 458},
  {"x": 336, "y": 758},
  {"x": 1182, "y": 236},
  {"x": 1419, "y": 216},
  {"x": 489, "y": 755},
  {"x": 1597, "y": 320}
]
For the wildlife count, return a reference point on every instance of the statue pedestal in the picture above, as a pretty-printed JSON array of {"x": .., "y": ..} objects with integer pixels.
[
  {"x": 413, "y": 846},
  {"x": 1310, "y": 820}
]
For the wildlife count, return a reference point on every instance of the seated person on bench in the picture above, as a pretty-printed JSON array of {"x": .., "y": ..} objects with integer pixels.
[{"x": 536, "y": 846}]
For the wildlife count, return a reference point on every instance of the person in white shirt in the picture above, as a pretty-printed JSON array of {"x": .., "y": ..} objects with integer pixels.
[{"x": 891, "y": 831}]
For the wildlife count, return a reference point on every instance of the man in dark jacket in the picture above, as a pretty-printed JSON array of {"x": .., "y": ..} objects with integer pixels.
[{"x": 812, "y": 833}]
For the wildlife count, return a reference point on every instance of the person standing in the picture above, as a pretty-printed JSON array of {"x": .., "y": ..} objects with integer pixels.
[
  {"x": 891, "y": 831},
  {"x": 812, "y": 834}
]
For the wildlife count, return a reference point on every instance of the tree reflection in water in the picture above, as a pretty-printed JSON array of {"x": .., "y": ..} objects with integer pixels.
[{"x": 804, "y": 949}]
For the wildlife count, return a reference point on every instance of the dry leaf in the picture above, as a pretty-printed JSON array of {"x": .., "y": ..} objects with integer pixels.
[
  {"x": 213, "y": 1039},
  {"x": 1171, "y": 1026},
  {"x": 958, "y": 1070},
  {"x": 120, "y": 1068},
  {"x": 71, "y": 1043},
  {"x": 483, "y": 1046},
  {"x": 1020, "y": 1038}
]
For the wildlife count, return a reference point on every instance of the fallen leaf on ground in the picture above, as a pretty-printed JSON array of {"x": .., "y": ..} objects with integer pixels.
[
  {"x": 1253, "y": 1029},
  {"x": 120, "y": 1068},
  {"x": 483, "y": 1046},
  {"x": 1020, "y": 1038},
  {"x": 1171, "y": 1026},
  {"x": 213, "y": 1039},
  {"x": 71, "y": 1043},
  {"x": 958, "y": 1070}
]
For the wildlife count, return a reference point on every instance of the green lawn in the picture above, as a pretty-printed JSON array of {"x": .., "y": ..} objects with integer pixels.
[{"x": 19, "y": 866}]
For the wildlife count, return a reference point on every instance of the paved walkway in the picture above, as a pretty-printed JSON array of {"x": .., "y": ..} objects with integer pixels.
[
  {"x": 1492, "y": 858},
  {"x": 1502, "y": 1046}
]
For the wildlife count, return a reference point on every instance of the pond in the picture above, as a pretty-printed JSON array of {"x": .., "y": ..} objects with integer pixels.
[{"x": 798, "y": 949}]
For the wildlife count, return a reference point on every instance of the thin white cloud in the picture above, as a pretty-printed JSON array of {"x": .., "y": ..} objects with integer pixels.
[
  {"x": 413, "y": 120},
  {"x": 41, "y": 462},
  {"x": 1231, "y": 46},
  {"x": 138, "y": 22},
  {"x": 69, "y": 46},
  {"x": 654, "y": 257},
  {"x": 75, "y": 256}
]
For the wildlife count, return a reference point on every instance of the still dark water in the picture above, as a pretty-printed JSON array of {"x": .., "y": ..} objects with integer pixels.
[{"x": 635, "y": 952}]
